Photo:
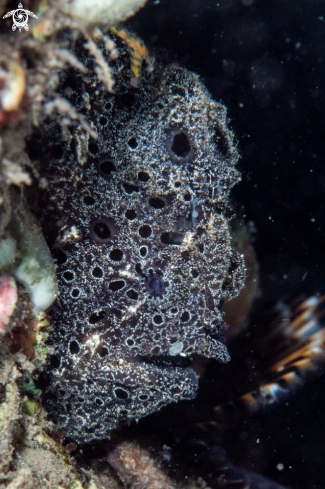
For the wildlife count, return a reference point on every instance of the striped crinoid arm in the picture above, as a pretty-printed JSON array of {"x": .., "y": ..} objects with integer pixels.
[{"x": 291, "y": 346}]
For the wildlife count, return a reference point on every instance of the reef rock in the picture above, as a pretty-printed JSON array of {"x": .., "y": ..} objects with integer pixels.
[{"x": 138, "y": 221}]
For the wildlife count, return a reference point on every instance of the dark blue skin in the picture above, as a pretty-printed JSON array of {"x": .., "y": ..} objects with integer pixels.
[{"x": 156, "y": 284}]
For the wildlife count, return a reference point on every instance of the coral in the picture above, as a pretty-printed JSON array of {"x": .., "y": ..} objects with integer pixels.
[
  {"x": 8, "y": 300},
  {"x": 136, "y": 468},
  {"x": 144, "y": 249},
  {"x": 26, "y": 452},
  {"x": 28, "y": 456},
  {"x": 8, "y": 414},
  {"x": 33, "y": 266},
  {"x": 13, "y": 81},
  {"x": 26, "y": 258}
]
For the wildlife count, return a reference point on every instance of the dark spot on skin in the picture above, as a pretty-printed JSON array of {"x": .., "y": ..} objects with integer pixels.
[
  {"x": 55, "y": 361},
  {"x": 75, "y": 293},
  {"x": 74, "y": 347},
  {"x": 120, "y": 393},
  {"x": 116, "y": 255},
  {"x": 100, "y": 230},
  {"x": 130, "y": 214},
  {"x": 138, "y": 268},
  {"x": 68, "y": 276},
  {"x": 116, "y": 285},
  {"x": 96, "y": 317},
  {"x": 132, "y": 294},
  {"x": 103, "y": 120},
  {"x": 156, "y": 203},
  {"x": 143, "y": 251},
  {"x": 129, "y": 189},
  {"x": 185, "y": 317},
  {"x": 97, "y": 272},
  {"x": 106, "y": 168},
  {"x": 93, "y": 148},
  {"x": 172, "y": 238},
  {"x": 88, "y": 200},
  {"x": 102, "y": 351},
  {"x": 60, "y": 256},
  {"x": 181, "y": 145},
  {"x": 158, "y": 319},
  {"x": 145, "y": 231},
  {"x": 132, "y": 142},
  {"x": 143, "y": 176}
]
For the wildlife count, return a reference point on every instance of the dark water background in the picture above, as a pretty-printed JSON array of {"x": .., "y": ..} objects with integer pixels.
[{"x": 266, "y": 61}]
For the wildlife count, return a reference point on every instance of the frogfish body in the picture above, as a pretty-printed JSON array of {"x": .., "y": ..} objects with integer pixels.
[{"x": 139, "y": 223}]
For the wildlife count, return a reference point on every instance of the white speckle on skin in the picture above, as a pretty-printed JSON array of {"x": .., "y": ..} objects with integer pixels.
[
  {"x": 93, "y": 342},
  {"x": 176, "y": 348},
  {"x": 71, "y": 234}
]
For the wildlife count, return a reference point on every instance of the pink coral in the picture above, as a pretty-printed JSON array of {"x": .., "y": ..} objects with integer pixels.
[{"x": 8, "y": 300}]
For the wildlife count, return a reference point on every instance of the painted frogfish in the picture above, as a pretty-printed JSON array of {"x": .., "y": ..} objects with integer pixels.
[{"x": 138, "y": 221}]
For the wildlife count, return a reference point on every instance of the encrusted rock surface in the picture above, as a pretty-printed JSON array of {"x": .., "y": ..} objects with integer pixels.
[{"x": 138, "y": 223}]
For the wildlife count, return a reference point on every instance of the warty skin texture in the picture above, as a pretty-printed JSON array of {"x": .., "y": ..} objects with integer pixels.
[{"x": 138, "y": 223}]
